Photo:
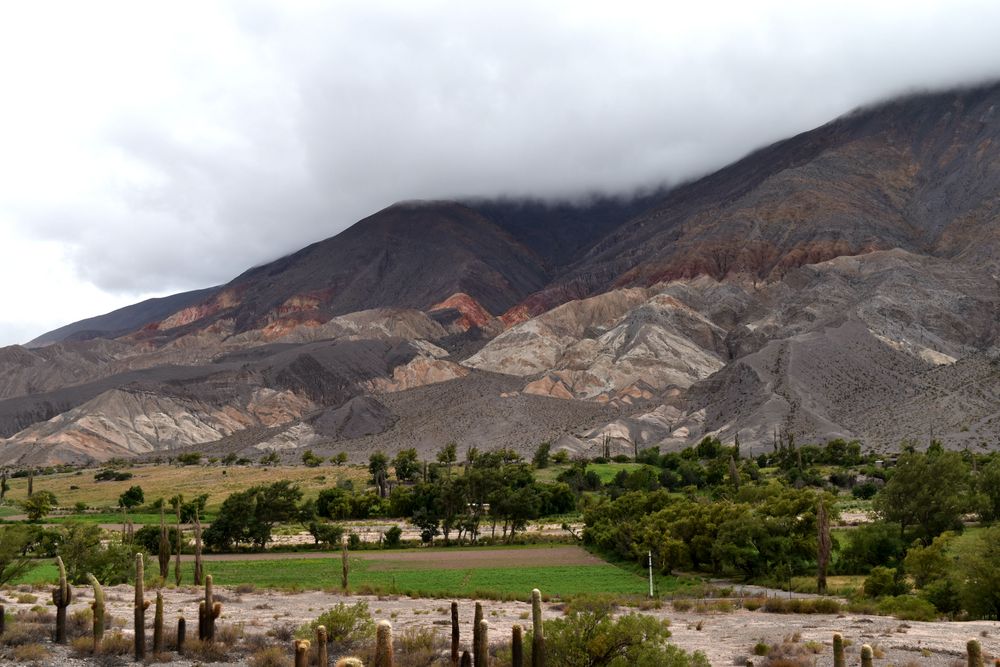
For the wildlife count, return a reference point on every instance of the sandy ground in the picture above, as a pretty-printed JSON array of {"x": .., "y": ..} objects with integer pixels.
[{"x": 726, "y": 638}]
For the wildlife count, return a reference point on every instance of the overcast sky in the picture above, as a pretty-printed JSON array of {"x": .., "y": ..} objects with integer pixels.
[{"x": 148, "y": 148}]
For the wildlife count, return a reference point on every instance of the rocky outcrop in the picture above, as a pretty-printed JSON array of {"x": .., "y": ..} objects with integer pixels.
[
  {"x": 126, "y": 423},
  {"x": 623, "y": 343}
]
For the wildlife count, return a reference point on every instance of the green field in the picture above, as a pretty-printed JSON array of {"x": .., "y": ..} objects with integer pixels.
[
  {"x": 423, "y": 579},
  {"x": 606, "y": 471}
]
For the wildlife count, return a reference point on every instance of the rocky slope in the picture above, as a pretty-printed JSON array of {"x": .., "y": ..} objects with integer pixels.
[{"x": 841, "y": 283}]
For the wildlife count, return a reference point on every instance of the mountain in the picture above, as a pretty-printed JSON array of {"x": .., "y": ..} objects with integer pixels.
[
  {"x": 123, "y": 320},
  {"x": 841, "y": 283}
]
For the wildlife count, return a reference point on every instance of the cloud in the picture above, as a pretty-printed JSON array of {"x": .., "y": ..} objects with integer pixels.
[{"x": 171, "y": 146}]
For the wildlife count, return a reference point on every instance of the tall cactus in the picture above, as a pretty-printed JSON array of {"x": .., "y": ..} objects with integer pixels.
[
  {"x": 517, "y": 646},
  {"x": 344, "y": 565},
  {"x": 97, "y": 606},
  {"x": 838, "y": 650},
  {"x": 197, "y": 549},
  {"x": 3, "y": 620},
  {"x": 483, "y": 648},
  {"x": 62, "y": 595},
  {"x": 455, "y": 634},
  {"x": 208, "y": 611},
  {"x": 158, "y": 625},
  {"x": 180, "y": 543},
  {"x": 866, "y": 656},
  {"x": 538, "y": 636},
  {"x": 301, "y": 653},
  {"x": 476, "y": 620},
  {"x": 322, "y": 658},
  {"x": 181, "y": 634},
  {"x": 141, "y": 605},
  {"x": 466, "y": 659},
  {"x": 975, "y": 653},
  {"x": 163, "y": 554},
  {"x": 383, "y": 644}
]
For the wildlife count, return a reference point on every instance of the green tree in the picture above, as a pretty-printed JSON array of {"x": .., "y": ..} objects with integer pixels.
[
  {"x": 929, "y": 563},
  {"x": 448, "y": 455},
  {"x": 541, "y": 458},
  {"x": 341, "y": 458},
  {"x": 988, "y": 487},
  {"x": 979, "y": 575},
  {"x": 16, "y": 543},
  {"x": 84, "y": 549},
  {"x": 133, "y": 497},
  {"x": 407, "y": 464},
  {"x": 249, "y": 517},
  {"x": 310, "y": 459},
  {"x": 590, "y": 636},
  {"x": 927, "y": 492},
  {"x": 378, "y": 468},
  {"x": 39, "y": 505}
]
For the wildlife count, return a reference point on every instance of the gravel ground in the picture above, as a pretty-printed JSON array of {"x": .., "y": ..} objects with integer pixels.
[{"x": 726, "y": 638}]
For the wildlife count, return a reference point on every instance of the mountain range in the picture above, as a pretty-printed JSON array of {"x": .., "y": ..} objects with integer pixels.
[{"x": 842, "y": 283}]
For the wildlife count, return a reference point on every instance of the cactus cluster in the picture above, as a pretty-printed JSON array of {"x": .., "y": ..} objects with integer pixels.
[{"x": 208, "y": 611}]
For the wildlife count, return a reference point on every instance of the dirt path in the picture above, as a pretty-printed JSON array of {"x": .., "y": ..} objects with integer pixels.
[{"x": 450, "y": 559}]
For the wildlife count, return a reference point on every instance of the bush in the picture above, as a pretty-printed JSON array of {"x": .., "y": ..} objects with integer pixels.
[
  {"x": 907, "y": 608},
  {"x": 271, "y": 656},
  {"x": 34, "y": 653},
  {"x": 594, "y": 636},
  {"x": 350, "y": 625},
  {"x": 883, "y": 581},
  {"x": 393, "y": 536},
  {"x": 112, "y": 476}
]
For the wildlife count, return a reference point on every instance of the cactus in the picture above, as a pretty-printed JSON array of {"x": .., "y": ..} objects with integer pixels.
[
  {"x": 466, "y": 659},
  {"x": 517, "y": 646},
  {"x": 301, "y": 653},
  {"x": 321, "y": 654},
  {"x": 866, "y": 656},
  {"x": 455, "y": 634},
  {"x": 62, "y": 595},
  {"x": 163, "y": 555},
  {"x": 483, "y": 648},
  {"x": 97, "y": 606},
  {"x": 344, "y": 566},
  {"x": 3, "y": 620},
  {"x": 197, "y": 549},
  {"x": 383, "y": 644},
  {"x": 838, "y": 650},
  {"x": 140, "y": 611},
  {"x": 180, "y": 543},
  {"x": 208, "y": 611},
  {"x": 158, "y": 625},
  {"x": 538, "y": 636},
  {"x": 975, "y": 653},
  {"x": 477, "y": 619},
  {"x": 181, "y": 634},
  {"x": 31, "y": 483}
]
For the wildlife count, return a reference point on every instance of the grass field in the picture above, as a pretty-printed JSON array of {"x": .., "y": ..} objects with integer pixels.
[
  {"x": 164, "y": 481},
  {"x": 606, "y": 471},
  {"x": 399, "y": 572}
]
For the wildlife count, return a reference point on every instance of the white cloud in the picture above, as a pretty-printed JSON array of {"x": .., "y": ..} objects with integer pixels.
[{"x": 153, "y": 147}]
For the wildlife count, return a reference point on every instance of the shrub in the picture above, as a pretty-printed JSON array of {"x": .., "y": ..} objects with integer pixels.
[
  {"x": 392, "y": 536},
  {"x": 350, "y": 625},
  {"x": 271, "y": 656},
  {"x": 884, "y": 581},
  {"x": 20, "y": 633},
  {"x": 206, "y": 651},
  {"x": 908, "y": 608},
  {"x": 33, "y": 653},
  {"x": 594, "y": 636}
]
